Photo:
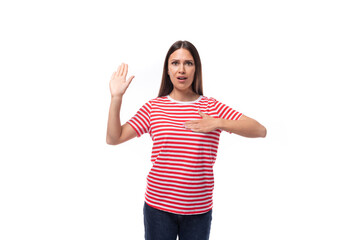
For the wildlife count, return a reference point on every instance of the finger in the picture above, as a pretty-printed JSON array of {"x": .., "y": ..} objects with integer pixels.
[
  {"x": 187, "y": 125},
  {"x": 195, "y": 129},
  {"x": 119, "y": 70},
  {"x": 190, "y": 125},
  {"x": 123, "y": 69},
  {"x": 192, "y": 121},
  {"x": 129, "y": 80},
  {"x": 203, "y": 115},
  {"x": 190, "y": 128},
  {"x": 124, "y": 73}
]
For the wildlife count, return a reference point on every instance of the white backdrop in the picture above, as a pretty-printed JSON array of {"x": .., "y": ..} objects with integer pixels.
[{"x": 291, "y": 65}]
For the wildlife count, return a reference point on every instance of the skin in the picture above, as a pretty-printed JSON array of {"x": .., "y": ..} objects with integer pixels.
[
  {"x": 181, "y": 63},
  {"x": 245, "y": 126},
  {"x": 117, "y": 133}
]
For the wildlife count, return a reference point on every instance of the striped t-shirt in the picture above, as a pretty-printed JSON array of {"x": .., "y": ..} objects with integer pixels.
[{"x": 181, "y": 179}]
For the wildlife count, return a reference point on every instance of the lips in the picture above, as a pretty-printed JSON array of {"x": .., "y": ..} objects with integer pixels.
[{"x": 181, "y": 78}]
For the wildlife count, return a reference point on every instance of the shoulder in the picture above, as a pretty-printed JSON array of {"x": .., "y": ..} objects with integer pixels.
[
  {"x": 155, "y": 102},
  {"x": 209, "y": 100},
  {"x": 163, "y": 98},
  {"x": 158, "y": 100}
]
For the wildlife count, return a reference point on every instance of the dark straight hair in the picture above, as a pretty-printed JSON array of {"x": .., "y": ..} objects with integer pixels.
[{"x": 166, "y": 85}]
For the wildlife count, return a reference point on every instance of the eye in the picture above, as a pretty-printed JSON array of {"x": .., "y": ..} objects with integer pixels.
[
  {"x": 189, "y": 63},
  {"x": 175, "y": 63}
]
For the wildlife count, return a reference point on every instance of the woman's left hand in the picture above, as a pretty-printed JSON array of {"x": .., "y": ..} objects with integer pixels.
[{"x": 206, "y": 124}]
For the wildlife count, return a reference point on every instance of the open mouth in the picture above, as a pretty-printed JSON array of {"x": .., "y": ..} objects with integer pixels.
[{"x": 182, "y": 78}]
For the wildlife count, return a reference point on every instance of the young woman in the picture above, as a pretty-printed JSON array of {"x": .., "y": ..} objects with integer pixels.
[{"x": 185, "y": 127}]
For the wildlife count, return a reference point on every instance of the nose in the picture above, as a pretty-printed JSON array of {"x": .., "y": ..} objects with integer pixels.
[{"x": 181, "y": 68}]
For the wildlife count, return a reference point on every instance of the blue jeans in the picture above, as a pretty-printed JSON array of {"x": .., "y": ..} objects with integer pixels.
[{"x": 161, "y": 225}]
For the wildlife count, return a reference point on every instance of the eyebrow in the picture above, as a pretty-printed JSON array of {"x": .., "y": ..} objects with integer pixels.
[{"x": 187, "y": 60}]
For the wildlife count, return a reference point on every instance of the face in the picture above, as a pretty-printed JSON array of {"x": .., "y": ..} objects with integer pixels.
[{"x": 181, "y": 66}]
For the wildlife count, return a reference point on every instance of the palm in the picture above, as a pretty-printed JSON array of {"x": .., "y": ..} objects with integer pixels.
[{"x": 118, "y": 82}]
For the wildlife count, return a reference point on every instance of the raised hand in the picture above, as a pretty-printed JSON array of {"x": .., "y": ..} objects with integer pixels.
[{"x": 118, "y": 82}]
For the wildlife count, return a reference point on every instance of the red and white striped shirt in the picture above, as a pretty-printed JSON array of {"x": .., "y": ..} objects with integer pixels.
[{"x": 181, "y": 179}]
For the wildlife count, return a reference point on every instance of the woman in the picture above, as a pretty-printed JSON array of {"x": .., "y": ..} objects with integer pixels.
[{"x": 185, "y": 127}]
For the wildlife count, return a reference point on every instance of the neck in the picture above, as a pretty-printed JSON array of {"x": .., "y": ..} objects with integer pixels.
[{"x": 184, "y": 96}]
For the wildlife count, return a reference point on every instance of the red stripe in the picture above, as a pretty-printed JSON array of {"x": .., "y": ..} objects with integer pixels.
[
  {"x": 186, "y": 139},
  {"x": 182, "y": 159},
  {"x": 178, "y": 199},
  {"x": 182, "y": 182},
  {"x": 180, "y": 211},
  {"x": 172, "y": 186},
  {"x": 187, "y": 133},
  {"x": 207, "y": 151},
  {"x": 186, "y": 179},
  {"x": 182, "y": 173},
  {"x": 201, "y": 157},
  {"x": 200, "y": 171},
  {"x": 177, "y": 202},
  {"x": 168, "y": 188},
  {"x": 136, "y": 127},
  {"x": 172, "y": 194}
]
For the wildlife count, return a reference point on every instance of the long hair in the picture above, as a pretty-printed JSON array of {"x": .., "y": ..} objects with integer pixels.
[{"x": 166, "y": 85}]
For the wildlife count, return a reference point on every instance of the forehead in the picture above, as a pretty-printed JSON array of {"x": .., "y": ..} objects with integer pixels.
[{"x": 181, "y": 53}]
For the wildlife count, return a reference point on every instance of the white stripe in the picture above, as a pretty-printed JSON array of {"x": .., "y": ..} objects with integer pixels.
[
  {"x": 172, "y": 178},
  {"x": 180, "y": 141},
  {"x": 183, "y": 130},
  {"x": 173, "y": 144},
  {"x": 193, "y": 202},
  {"x": 198, "y": 186},
  {"x": 151, "y": 192},
  {"x": 205, "y": 192},
  {"x": 199, "y": 152},
  {"x": 169, "y": 107},
  {"x": 181, "y": 175},
  {"x": 164, "y": 160},
  {"x": 180, "y": 206},
  {"x": 160, "y": 188},
  {"x": 166, "y": 145},
  {"x": 198, "y": 168},
  {"x": 160, "y": 170}
]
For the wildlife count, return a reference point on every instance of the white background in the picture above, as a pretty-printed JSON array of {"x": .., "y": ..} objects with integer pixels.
[{"x": 291, "y": 65}]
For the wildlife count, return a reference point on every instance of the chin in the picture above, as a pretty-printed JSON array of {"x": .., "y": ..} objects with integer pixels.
[{"x": 182, "y": 88}]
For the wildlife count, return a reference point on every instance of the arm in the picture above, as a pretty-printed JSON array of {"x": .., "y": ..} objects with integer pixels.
[
  {"x": 116, "y": 133},
  {"x": 245, "y": 126}
]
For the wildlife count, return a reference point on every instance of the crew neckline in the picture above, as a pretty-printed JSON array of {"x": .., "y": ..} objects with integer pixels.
[{"x": 184, "y": 102}]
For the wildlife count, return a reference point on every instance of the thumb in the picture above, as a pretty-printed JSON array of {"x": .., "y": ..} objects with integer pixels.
[
  {"x": 129, "y": 80},
  {"x": 203, "y": 115}
]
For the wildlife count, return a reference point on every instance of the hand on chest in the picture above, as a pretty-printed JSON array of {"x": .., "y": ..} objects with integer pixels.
[{"x": 170, "y": 122}]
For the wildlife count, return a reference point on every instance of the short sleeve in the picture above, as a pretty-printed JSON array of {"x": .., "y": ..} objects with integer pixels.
[
  {"x": 141, "y": 120},
  {"x": 224, "y": 111}
]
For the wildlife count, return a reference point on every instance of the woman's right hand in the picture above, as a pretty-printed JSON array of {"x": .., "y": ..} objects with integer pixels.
[{"x": 118, "y": 83}]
